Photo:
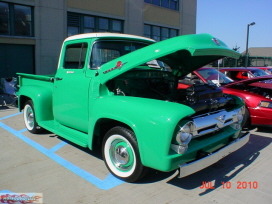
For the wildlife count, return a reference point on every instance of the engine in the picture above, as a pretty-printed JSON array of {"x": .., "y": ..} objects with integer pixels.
[{"x": 163, "y": 85}]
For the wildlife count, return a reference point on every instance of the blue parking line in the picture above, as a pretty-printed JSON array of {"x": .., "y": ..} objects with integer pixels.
[
  {"x": 109, "y": 182},
  {"x": 23, "y": 130},
  {"x": 57, "y": 147},
  {"x": 9, "y": 116},
  {"x": 5, "y": 191}
]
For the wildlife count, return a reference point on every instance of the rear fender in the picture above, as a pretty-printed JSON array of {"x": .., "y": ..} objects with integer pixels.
[{"x": 42, "y": 100}]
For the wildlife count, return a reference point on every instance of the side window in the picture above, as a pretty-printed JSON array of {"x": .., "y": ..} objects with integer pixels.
[{"x": 75, "y": 56}]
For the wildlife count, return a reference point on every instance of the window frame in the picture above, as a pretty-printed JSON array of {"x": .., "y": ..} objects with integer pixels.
[
  {"x": 172, "y": 4},
  {"x": 76, "y": 20},
  {"x": 151, "y": 34},
  {"x": 12, "y": 20}
]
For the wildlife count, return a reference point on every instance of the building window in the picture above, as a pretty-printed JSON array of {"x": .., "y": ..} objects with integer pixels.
[
  {"x": 79, "y": 23},
  {"x": 88, "y": 24},
  {"x": 159, "y": 33},
  {"x": 16, "y": 20},
  {"x": 147, "y": 31},
  {"x": 171, "y": 4},
  {"x": 156, "y": 33},
  {"x": 103, "y": 25},
  {"x": 116, "y": 26}
]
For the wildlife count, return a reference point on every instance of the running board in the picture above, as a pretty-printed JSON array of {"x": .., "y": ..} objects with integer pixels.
[{"x": 72, "y": 135}]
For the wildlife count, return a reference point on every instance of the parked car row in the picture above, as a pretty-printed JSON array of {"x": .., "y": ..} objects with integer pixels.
[
  {"x": 238, "y": 74},
  {"x": 254, "y": 87}
]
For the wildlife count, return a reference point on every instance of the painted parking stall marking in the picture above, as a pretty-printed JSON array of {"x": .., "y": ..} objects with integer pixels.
[
  {"x": 58, "y": 146},
  {"x": 109, "y": 182}
]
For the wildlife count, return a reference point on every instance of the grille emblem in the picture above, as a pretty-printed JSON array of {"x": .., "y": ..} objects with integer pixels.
[{"x": 221, "y": 118}]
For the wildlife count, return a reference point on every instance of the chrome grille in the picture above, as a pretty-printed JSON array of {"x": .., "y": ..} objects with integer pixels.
[{"x": 213, "y": 121}]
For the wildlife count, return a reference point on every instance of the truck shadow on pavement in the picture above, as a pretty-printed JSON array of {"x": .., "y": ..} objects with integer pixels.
[
  {"x": 152, "y": 175},
  {"x": 226, "y": 169},
  {"x": 221, "y": 172},
  {"x": 96, "y": 152}
]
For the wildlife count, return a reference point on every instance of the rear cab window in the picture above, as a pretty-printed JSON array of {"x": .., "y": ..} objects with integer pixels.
[{"x": 75, "y": 55}]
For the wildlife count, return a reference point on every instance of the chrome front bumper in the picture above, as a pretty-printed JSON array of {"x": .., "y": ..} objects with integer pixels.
[{"x": 187, "y": 169}]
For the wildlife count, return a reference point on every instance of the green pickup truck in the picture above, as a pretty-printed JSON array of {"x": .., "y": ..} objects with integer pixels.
[{"x": 122, "y": 93}]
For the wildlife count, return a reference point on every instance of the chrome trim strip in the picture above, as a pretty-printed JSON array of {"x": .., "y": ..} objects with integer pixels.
[{"x": 187, "y": 169}]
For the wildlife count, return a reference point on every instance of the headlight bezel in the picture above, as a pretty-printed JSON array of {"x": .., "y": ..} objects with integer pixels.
[
  {"x": 268, "y": 104},
  {"x": 183, "y": 137}
]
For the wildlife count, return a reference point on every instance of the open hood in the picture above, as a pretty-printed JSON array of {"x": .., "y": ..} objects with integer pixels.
[
  {"x": 262, "y": 81},
  {"x": 183, "y": 54}
]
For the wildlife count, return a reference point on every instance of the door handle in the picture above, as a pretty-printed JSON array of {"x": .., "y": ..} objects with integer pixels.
[{"x": 58, "y": 79}]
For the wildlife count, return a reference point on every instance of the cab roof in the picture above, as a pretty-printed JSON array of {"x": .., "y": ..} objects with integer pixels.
[{"x": 108, "y": 35}]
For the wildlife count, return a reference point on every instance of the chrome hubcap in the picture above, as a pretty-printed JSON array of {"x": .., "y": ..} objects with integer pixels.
[
  {"x": 30, "y": 117},
  {"x": 121, "y": 155}
]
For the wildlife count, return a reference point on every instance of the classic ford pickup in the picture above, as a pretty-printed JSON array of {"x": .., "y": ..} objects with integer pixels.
[{"x": 120, "y": 92}]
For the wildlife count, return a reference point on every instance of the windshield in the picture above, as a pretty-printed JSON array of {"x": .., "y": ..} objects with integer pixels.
[
  {"x": 259, "y": 72},
  {"x": 269, "y": 71},
  {"x": 214, "y": 76},
  {"x": 104, "y": 51}
]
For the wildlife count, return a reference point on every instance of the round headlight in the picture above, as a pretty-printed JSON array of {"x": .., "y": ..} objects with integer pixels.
[
  {"x": 186, "y": 128},
  {"x": 184, "y": 135},
  {"x": 184, "y": 138}
]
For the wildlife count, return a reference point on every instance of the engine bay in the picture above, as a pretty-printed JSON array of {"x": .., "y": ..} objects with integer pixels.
[
  {"x": 164, "y": 85},
  {"x": 267, "y": 93}
]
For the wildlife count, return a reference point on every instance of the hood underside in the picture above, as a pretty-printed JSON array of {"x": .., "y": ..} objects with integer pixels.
[{"x": 183, "y": 54}]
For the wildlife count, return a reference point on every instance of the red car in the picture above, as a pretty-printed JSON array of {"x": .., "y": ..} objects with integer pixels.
[
  {"x": 268, "y": 70},
  {"x": 241, "y": 73},
  {"x": 255, "y": 92}
]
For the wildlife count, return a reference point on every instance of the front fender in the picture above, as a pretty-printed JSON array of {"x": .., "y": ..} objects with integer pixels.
[
  {"x": 153, "y": 122},
  {"x": 42, "y": 100}
]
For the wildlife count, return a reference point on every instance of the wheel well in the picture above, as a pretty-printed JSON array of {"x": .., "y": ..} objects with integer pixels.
[
  {"x": 103, "y": 126},
  {"x": 23, "y": 100}
]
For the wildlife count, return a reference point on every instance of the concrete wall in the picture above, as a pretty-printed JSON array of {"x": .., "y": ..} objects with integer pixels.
[
  {"x": 114, "y": 7},
  {"x": 188, "y": 16},
  {"x": 156, "y": 15},
  {"x": 134, "y": 17},
  {"x": 50, "y": 31}
]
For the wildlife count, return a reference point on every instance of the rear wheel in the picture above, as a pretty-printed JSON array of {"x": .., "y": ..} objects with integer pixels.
[
  {"x": 246, "y": 119},
  {"x": 29, "y": 118},
  {"x": 121, "y": 155}
]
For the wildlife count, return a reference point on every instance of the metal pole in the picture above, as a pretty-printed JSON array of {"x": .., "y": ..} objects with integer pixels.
[
  {"x": 247, "y": 46},
  {"x": 251, "y": 24}
]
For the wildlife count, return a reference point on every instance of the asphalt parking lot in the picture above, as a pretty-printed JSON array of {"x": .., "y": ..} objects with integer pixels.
[{"x": 66, "y": 173}]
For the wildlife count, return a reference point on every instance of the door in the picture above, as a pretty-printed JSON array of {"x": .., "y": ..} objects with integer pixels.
[
  {"x": 16, "y": 58},
  {"x": 71, "y": 89}
]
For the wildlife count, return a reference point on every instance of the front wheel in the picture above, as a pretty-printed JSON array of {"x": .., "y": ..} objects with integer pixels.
[
  {"x": 29, "y": 118},
  {"x": 121, "y": 154}
]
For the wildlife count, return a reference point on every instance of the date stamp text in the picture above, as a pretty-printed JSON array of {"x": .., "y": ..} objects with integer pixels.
[{"x": 229, "y": 185}]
